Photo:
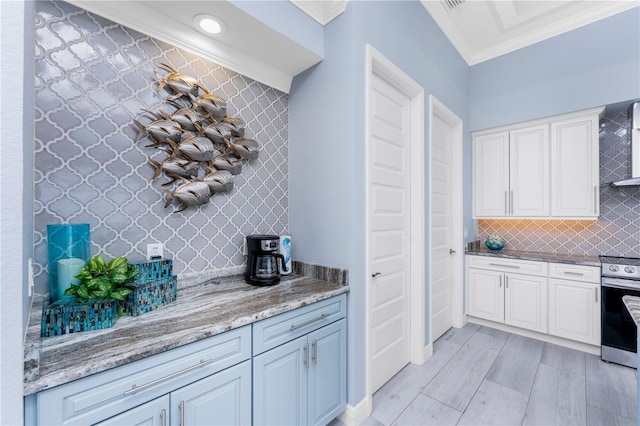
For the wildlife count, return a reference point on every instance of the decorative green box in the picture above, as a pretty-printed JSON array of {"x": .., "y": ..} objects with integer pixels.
[
  {"x": 147, "y": 296},
  {"x": 69, "y": 315},
  {"x": 152, "y": 270}
]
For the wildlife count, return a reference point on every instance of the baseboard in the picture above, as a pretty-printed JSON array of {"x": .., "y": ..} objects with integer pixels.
[
  {"x": 584, "y": 347},
  {"x": 353, "y": 416},
  {"x": 427, "y": 352}
]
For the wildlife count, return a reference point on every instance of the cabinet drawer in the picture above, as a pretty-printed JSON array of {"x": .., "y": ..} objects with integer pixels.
[
  {"x": 568, "y": 271},
  {"x": 100, "y": 396},
  {"x": 274, "y": 331},
  {"x": 508, "y": 265}
]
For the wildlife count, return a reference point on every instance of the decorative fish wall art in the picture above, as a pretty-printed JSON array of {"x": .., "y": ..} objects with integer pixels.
[{"x": 204, "y": 146}]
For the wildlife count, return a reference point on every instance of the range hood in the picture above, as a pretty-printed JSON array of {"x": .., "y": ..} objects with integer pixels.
[{"x": 634, "y": 118}]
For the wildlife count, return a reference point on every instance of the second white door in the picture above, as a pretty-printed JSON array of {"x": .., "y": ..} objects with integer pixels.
[{"x": 390, "y": 226}]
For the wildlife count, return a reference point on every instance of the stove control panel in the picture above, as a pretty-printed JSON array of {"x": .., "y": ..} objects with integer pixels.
[{"x": 620, "y": 267}]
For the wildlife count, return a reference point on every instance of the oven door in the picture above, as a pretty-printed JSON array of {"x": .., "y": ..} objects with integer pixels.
[{"x": 618, "y": 328}]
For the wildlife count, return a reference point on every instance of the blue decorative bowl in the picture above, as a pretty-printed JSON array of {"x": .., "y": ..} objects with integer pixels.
[{"x": 494, "y": 242}]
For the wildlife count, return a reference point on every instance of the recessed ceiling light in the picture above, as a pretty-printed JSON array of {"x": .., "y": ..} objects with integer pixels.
[{"x": 208, "y": 24}]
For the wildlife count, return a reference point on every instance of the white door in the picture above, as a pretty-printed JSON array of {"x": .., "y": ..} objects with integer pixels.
[
  {"x": 526, "y": 302},
  {"x": 441, "y": 228},
  {"x": 389, "y": 216},
  {"x": 486, "y": 294}
]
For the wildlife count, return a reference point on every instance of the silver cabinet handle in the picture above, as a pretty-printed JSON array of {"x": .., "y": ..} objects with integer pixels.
[
  {"x": 314, "y": 352},
  {"x": 506, "y": 203},
  {"x": 375, "y": 274},
  {"x": 163, "y": 417},
  {"x": 181, "y": 406},
  {"x": 135, "y": 388},
  {"x": 500, "y": 283},
  {"x": 306, "y": 355},
  {"x": 505, "y": 266},
  {"x": 596, "y": 291},
  {"x": 595, "y": 200},
  {"x": 321, "y": 317},
  {"x": 511, "y": 202},
  {"x": 506, "y": 281},
  {"x": 573, "y": 273}
]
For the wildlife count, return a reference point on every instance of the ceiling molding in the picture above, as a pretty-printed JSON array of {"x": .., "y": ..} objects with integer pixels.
[
  {"x": 323, "y": 11},
  {"x": 261, "y": 54},
  {"x": 515, "y": 31}
]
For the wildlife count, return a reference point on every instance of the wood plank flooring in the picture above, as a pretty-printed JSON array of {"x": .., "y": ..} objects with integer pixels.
[{"x": 481, "y": 376}]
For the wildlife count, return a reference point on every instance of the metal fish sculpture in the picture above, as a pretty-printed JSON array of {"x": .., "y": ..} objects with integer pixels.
[
  {"x": 219, "y": 180},
  {"x": 189, "y": 194},
  {"x": 174, "y": 168},
  {"x": 231, "y": 164},
  {"x": 236, "y": 125},
  {"x": 215, "y": 106},
  {"x": 187, "y": 118},
  {"x": 196, "y": 148},
  {"x": 247, "y": 149},
  {"x": 182, "y": 85},
  {"x": 217, "y": 132},
  {"x": 160, "y": 131}
]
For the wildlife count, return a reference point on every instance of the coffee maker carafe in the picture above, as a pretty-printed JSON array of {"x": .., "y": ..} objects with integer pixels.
[{"x": 262, "y": 260}]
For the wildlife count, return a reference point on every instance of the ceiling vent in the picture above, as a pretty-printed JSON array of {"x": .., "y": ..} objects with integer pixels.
[{"x": 451, "y": 4}]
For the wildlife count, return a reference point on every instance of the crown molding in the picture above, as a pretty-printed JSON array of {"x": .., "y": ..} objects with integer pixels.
[{"x": 323, "y": 11}]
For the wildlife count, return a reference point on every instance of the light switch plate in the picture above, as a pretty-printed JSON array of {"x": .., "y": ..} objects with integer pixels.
[{"x": 154, "y": 251}]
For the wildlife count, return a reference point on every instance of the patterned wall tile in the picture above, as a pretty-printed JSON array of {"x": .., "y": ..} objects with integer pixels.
[
  {"x": 616, "y": 232},
  {"x": 93, "y": 77}
]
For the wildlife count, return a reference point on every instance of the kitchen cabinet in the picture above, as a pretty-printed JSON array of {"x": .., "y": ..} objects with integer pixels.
[
  {"x": 214, "y": 373},
  {"x": 545, "y": 168},
  {"x": 511, "y": 173},
  {"x": 574, "y": 302},
  {"x": 299, "y": 366},
  {"x": 575, "y": 172},
  {"x": 508, "y": 291}
]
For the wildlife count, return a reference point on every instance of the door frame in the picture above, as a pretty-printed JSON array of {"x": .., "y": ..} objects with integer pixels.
[
  {"x": 378, "y": 64},
  {"x": 437, "y": 108}
]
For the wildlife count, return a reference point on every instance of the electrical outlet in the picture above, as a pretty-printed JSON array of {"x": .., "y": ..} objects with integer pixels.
[{"x": 154, "y": 251}]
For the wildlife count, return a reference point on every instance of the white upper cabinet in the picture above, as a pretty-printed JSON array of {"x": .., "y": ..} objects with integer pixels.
[
  {"x": 541, "y": 169},
  {"x": 575, "y": 167}
]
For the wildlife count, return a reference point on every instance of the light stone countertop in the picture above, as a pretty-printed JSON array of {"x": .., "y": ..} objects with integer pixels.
[
  {"x": 574, "y": 259},
  {"x": 633, "y": 306},
  {"x": 201, "y": 310}
]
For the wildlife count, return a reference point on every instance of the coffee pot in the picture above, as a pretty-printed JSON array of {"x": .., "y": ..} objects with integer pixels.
[{"x": 262, "y": 260}]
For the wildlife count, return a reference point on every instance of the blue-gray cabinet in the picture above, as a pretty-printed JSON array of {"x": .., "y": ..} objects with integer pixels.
[
  {"x": 287, "y": 369},
  {"x": 299, "y": 365}
]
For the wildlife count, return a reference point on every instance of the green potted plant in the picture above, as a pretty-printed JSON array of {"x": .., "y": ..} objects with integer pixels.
[{"x": 99, "y": 279}]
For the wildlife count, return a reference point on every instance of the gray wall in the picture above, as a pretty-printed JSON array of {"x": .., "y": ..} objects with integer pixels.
[{"x": 93, "y": 78}]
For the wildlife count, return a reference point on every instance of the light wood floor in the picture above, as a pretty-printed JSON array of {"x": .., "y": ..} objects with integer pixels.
[{"x": 482, "y": 376}]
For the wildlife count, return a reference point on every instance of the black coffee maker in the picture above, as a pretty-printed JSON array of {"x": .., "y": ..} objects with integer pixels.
[{"x": 262, "y": 260}]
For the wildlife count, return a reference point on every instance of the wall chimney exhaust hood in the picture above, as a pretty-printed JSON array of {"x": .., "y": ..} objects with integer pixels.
[{"x": 634, "y": 118}]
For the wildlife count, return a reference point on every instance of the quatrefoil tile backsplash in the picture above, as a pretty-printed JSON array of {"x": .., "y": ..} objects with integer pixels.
[
  {"x": 93, "y": 77},
  {"x": 616, "y": 232}
]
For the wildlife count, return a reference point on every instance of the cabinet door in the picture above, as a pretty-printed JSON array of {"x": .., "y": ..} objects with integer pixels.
[
  {"x": 526, "y": 302},
  {"x": 280, "y": 384},
  {"x": 486, "y": 295},
  {"x": 529, "y": 171},
  {"x": 574, "y": 310},
  {"x": 575, "y": 172},
  {"x": 491, "y": 175},
  {"x": 153, "y": 413},
  {"x": 223, "y": 398},
  {"x": 327, "y": 373}
]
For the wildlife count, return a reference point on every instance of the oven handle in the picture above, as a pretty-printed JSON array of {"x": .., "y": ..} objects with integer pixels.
[{"x": 621, "y": 283}]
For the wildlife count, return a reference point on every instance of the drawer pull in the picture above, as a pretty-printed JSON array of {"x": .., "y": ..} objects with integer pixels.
[
  {"x": 504, "y": 266},
  {"x": 573, "y": 273},
  {"x": 135, "y": 388},
  {"x": 320, "y": 318}
]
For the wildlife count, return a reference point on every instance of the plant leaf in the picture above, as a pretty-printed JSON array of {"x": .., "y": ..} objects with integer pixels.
[
  {"x": 83, "y": 293},
  {"x": 117, "y": 262}
]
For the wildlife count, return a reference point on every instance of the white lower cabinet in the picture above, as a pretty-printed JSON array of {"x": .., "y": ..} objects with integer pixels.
[
  {"x": 513, "y": 299},
  {"x": 295, "y": 374},
  {"x": 574, "y": 305},
  {"x": 562, "y": 300}
]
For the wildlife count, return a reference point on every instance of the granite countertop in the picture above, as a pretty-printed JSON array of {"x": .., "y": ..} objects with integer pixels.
[
  {"x": 633, "y": 306},
  {"x": 575, "y": 259},
  {"x": 201, "y": 310}
]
